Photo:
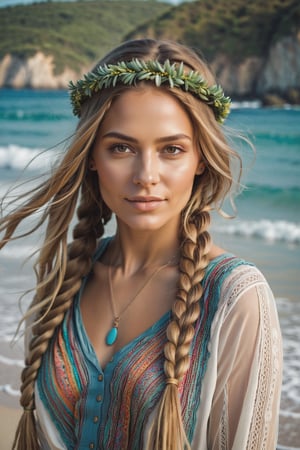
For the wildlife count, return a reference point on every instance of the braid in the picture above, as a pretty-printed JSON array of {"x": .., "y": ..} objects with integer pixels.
[
  {"x": 169, "y": 432},
  {"x": 85, "y": 234}
]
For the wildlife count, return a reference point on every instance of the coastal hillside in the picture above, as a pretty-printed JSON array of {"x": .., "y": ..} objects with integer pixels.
[
  {"x": 47, "y": 44},
  {"x": 253, "y": 47}
]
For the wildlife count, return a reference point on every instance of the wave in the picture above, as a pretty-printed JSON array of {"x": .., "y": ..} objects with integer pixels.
[
  {"x": 11, "y": 362},
  {"x": 271, "y": 231},
  {"x": 246, "y": 104},
  {"x": 257, "y": 104},
  {"x": 15, "y": 157},
  {"x": 279, "y": 137},
  {"x": 8, "y": 389},
  {"x": 42, "y": 116},
  {"x": 276, "y": 195},
  {"x": 293, "y": 414}
]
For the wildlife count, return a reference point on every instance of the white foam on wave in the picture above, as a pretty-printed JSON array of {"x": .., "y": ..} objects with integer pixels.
[
  {"x": 17, "y": 157},
  {"x": 289, "y": 314},
  {"x": 8, "y": 389},
  {"x": 294, "y": 415},
  {"x": 11, "y": 362},
  {"x": 248, "y": 104},
  {"x": 268, "y": 230}
]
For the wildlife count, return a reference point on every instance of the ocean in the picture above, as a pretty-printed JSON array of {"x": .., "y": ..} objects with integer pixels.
[{"x": 266, "y": 229}]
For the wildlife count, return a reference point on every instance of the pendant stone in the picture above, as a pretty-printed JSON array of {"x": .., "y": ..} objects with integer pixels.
[{"x": 111, "y": 336}]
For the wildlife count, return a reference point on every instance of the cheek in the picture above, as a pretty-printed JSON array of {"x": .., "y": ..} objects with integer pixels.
[
  {"x": 108, "y": 175},
  {"x": 184, "y": 174}
]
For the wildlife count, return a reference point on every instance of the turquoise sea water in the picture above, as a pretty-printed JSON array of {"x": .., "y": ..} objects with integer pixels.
[
  {"x": 31, "y": 121},
  {"x": 266, "y": 229}
]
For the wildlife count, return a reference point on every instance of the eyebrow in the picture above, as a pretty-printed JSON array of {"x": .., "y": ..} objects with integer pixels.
[{"x": 174, "y": 137}]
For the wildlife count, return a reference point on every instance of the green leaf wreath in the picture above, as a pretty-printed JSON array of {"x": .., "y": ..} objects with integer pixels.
[{"x": 131, "y": 72}]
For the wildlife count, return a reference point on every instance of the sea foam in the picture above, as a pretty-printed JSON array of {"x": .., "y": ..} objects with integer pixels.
[
  {"x": 15, "y": 157},
  {"x": 271, "y": 231},
  {"x": 8, "y": 389}
]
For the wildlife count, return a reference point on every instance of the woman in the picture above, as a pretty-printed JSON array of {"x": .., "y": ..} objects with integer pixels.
[{"x": 154, "y": 338}]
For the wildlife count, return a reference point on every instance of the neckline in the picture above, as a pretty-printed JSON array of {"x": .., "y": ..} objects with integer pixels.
[
  {"x": 88, "y": 347},
  {"x": 84, "y": 340}
]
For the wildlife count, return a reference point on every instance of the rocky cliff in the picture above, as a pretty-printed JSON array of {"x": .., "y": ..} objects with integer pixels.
[
  {"x": 277, "y": 75},
  {"x": 37, "y": 72}
]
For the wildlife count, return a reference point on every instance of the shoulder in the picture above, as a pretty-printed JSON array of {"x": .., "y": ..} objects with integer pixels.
[
  {"x": 246, "y": 295},
  {"x": 232, "y": 278},
  {"x": 242, "y": 278},
  {"x": 228, "y": 268}
]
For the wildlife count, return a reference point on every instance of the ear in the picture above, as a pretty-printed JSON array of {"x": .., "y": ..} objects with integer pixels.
[
  {"x": 92, "y": 164},
  {"x": 200, "y": 168}
]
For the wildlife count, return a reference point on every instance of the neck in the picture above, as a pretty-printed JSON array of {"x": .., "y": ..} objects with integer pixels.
[{"x": 134, "y": 251}]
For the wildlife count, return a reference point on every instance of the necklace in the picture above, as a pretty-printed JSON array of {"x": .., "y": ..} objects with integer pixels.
[{"x": 112, "y": 335}]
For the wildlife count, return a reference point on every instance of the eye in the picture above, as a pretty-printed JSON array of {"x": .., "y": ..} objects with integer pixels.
[
  {"x": 120, "y": 148},
  {"x": 173, "y": 150}
]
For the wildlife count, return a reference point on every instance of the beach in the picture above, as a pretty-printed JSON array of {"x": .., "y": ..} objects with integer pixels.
[{"x": 266, "y": 230}]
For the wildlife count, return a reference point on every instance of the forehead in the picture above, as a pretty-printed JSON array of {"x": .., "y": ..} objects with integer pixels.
[{"x": 147, "y": 106}]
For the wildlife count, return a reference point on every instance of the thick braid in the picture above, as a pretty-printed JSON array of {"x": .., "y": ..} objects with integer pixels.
[
  {"x": 85, "y": 235},
  {"x": 169, "y": 433},
  {"x": 186, "y": 309}
]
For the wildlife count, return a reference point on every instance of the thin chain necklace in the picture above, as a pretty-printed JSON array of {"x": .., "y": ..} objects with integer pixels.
[{"x": 112, "y": 335}]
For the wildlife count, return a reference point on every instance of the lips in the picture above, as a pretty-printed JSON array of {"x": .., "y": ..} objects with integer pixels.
[
  {"x": 140, "y": 198},
  {"x": 145, "y": 203}
]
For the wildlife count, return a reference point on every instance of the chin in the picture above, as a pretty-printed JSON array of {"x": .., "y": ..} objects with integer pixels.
[{"x": 144, "y": 224}]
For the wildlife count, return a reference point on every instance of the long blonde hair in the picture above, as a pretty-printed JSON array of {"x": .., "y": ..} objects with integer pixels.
[{"x": 61, "y": 266}]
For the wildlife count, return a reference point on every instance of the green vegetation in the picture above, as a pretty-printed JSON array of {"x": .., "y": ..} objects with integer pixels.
[
  {"x": 76, "y": 34},
  {"x": 79, "y": 33},
  {"x": 236, "y": 28}
]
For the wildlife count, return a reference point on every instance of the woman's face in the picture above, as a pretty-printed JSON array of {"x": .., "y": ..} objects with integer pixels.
[{"x": 146, "y": 159}]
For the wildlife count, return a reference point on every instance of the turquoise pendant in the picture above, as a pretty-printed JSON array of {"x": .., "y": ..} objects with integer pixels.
[{"x": 111, "y": 336}]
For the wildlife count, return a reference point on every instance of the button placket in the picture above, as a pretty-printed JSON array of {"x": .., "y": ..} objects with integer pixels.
[
  {"x": 93, "y": 410},
  {"x": 99, "y": 396}
]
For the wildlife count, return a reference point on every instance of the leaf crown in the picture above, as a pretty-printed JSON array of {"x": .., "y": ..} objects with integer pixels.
[{"x": 131, "y": 72}]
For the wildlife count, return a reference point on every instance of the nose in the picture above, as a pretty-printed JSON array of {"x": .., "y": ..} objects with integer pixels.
[{"x": 146, "y": 171}]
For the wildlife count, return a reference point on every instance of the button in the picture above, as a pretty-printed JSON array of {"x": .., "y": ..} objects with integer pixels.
[
  {"x": 99, "y": 398},
  {"x": 92, "y": 445},
  {"x": 100, "y": 377},
  {"x": 96, "y": 418}
]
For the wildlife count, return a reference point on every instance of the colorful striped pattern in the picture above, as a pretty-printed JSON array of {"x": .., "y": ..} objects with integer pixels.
[
  {"x": 61, "y": 381},
  {"x": 137, "y": 379},
  {"x": 136, "y": 385}
]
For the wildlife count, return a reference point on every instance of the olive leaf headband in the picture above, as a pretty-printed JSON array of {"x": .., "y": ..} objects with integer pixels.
[{"x": 131, "y": 72}]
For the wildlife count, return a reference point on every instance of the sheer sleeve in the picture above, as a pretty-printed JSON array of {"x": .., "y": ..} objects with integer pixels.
[{"x": 245, "y": 404}]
